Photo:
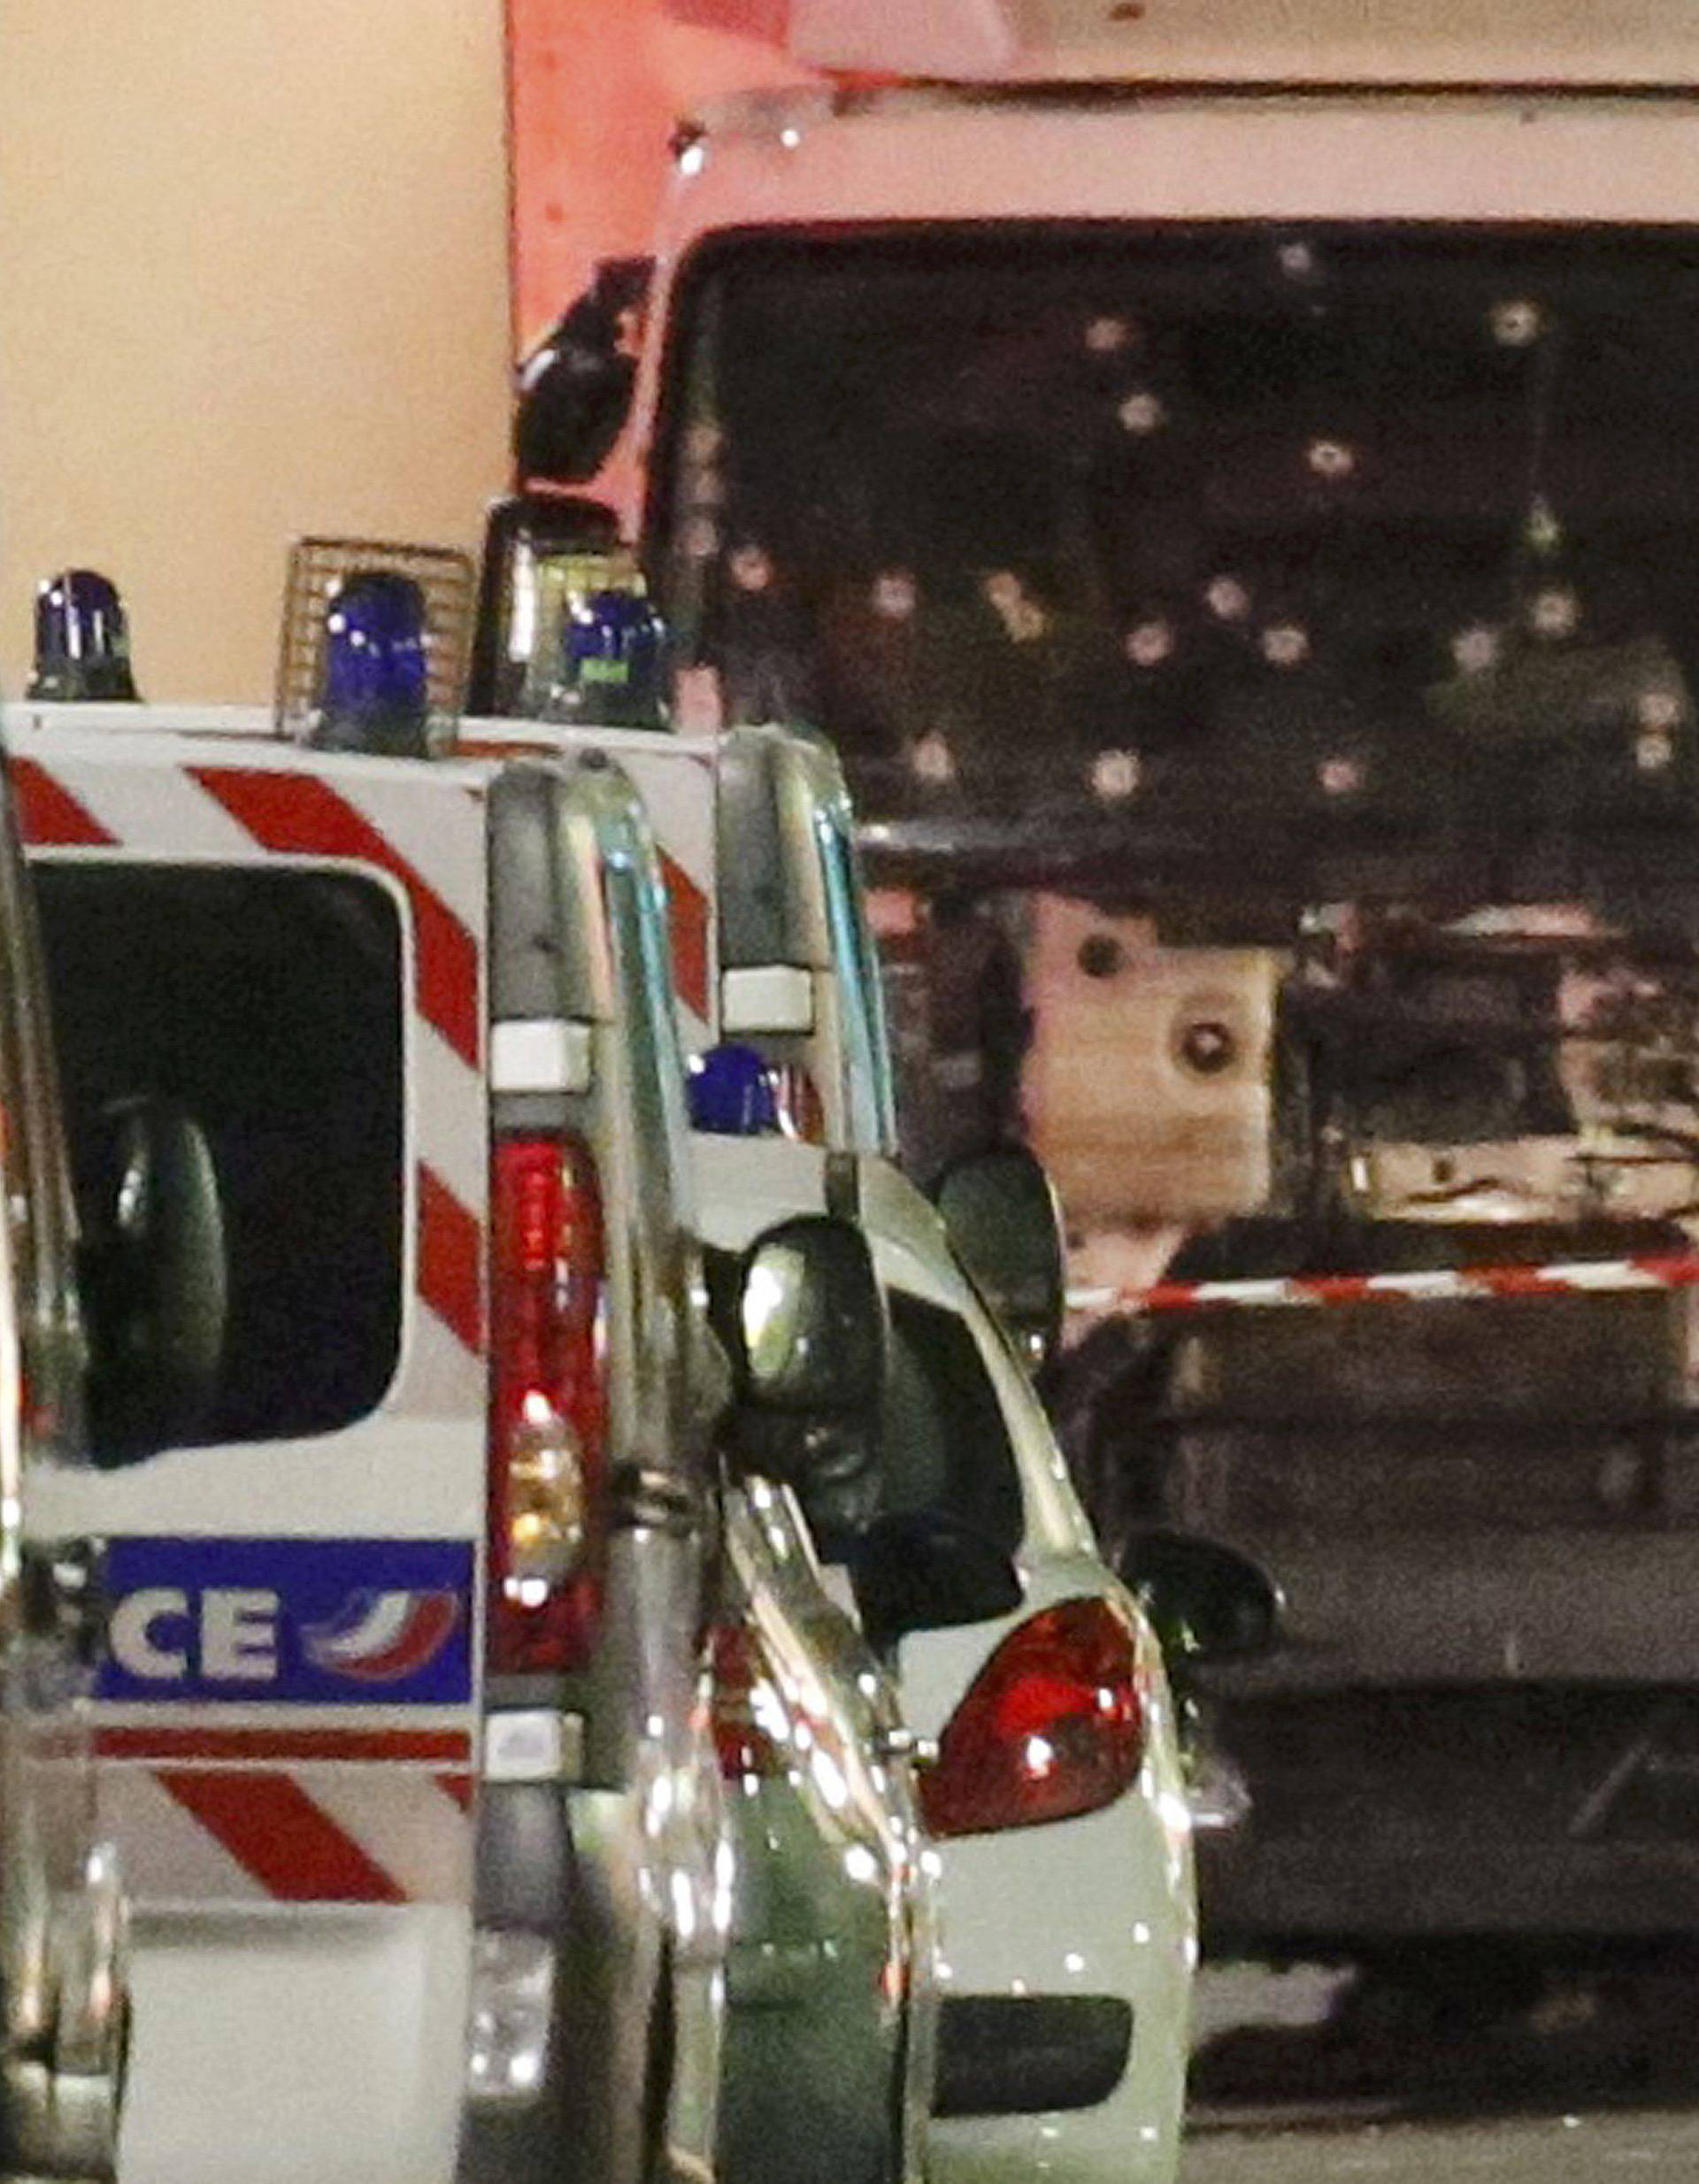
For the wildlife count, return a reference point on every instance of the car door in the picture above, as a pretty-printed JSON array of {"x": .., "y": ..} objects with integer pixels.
[{"x": 831, "y": 2002}]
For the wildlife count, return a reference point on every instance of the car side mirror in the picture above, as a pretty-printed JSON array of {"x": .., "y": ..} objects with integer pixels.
[
  {"x": 1206, "y": 1602},
  {"x": 807, "y": 1337},
  {"x": 810, "y": 1338},
  {"x": 155, "y": 1282},
  {"x": 926, "y": 1570},
  {"x": 1001, "y": 1213}
]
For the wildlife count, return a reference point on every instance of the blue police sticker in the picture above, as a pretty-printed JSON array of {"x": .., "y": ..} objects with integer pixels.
[{"x": 350, "y": 1622}]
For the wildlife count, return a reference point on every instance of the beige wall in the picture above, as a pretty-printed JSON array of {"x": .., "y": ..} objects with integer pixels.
[{"x": 253, "y": 282}]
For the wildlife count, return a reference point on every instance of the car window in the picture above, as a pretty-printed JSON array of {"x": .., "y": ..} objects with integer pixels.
[
  {"x": 268, "y": 1003},
  {"x": 946, "y": 1442}
]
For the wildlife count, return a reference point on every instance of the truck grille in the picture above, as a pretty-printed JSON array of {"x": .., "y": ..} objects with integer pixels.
[
  {"x": 1525, "y": 1415},
  {"x": 1411, "y": 1769},
  {"x": 1364, "y": 1481}
]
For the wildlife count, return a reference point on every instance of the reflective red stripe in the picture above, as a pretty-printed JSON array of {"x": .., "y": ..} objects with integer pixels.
[
  {"x": 171, "y": 1742},
  {"x": 298, "y": 812},
  {"x": 48, "y": 816},
  {"x": 275, "y": 1832},
  {"x": 1680, "y": 1272},
  {"x": 688, "y": 915},
  {"x": 459, "y": 1787},
  {"x": 450, "y": 1259},
  {"x": 1166, "y": 1297}
]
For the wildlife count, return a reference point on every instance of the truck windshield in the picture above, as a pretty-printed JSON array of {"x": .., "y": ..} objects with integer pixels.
[
  {"x": 1327, "y": 598},
  {"x": 1373, "y": 514}
]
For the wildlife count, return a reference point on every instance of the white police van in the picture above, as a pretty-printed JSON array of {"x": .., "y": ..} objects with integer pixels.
[
  {"x": 771, "y": 946},
  {"x": 403, "y": 1728},
  {"x": 1063, "y": 2027}
]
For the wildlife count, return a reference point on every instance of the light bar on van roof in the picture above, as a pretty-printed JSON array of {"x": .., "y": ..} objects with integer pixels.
[
  {"x": 335, "y": 690},
  {"x": 732, "y": 1092},
  {"x": 375, "y": 692},
  {"x": 82, "y": 641},
  {"x": 611, "y": 672}
]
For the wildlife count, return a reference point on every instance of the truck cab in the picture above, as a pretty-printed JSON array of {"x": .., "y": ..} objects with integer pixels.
[{"x": 1224, "y": 482}]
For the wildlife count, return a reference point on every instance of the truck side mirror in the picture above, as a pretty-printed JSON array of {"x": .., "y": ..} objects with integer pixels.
[
  {"x": 1205, "y": 1602},
  {"x": 1001, "y": 1213},
  {"x": 575, "y": 390},
  {"x": 155, "y": 1282},
  {"x": 926, "y": 1570}
]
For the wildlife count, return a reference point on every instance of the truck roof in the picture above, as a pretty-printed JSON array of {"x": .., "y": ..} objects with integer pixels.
[
  {"x": 1575, "y": 43},
  {"x": 897, "y": 156}
]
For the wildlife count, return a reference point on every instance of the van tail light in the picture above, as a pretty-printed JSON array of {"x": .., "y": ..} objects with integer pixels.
[
  {"x": 742, "y": 1694},
  {"x": 1053, "y": 1726},
  {"x": 548, "y": 1405}
]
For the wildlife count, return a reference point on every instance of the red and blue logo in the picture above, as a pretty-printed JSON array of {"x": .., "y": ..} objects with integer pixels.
[
  {"x": 349, "y": 1622},
  {"x": 383, "y": 1636}
]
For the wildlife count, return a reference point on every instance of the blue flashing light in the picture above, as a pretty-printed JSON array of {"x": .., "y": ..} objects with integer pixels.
[
  {"x": 732, "y": 1092},
  {"x": 612, "y": 667},
  {"x": 82, "y": 641},
  {"x": 374, "y": 690}
]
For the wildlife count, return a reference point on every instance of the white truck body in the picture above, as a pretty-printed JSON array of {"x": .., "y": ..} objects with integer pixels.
[{"x": 1008, "y": 133}]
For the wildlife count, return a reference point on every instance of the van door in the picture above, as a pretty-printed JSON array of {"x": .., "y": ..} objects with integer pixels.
[
  {"x": 678, "y": 782},
  {"x": 59, "y": 1981},
  {"x": 801, "y": 972},
  {"x": 291, "y": 945},
  {"x": 601, "y": 1826}
]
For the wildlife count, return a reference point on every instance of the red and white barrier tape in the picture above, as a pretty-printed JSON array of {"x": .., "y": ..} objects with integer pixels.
[{"x": 1428, "y": 1286}]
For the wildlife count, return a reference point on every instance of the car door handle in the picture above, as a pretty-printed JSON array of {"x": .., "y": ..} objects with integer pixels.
[
  {"x": 902, "y": 1742},
  {"x": 769, "y": 1975}
]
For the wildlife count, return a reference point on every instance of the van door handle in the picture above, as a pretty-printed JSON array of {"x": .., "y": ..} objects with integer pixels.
[
  {"x": 652, "y": 1499},
  {"x": 64, "y": 1595},
  {"x": 902, "y": 1742}
]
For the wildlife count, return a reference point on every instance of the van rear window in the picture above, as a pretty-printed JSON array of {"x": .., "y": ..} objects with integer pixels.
[{"x": 267, "y": 1002}]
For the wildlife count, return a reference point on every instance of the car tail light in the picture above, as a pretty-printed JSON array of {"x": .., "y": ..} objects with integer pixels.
[
  {"x": 548, "y": 1439},
  {"x": 1052, "y": 1726},
  {"x": 741, "y": 1694}
]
